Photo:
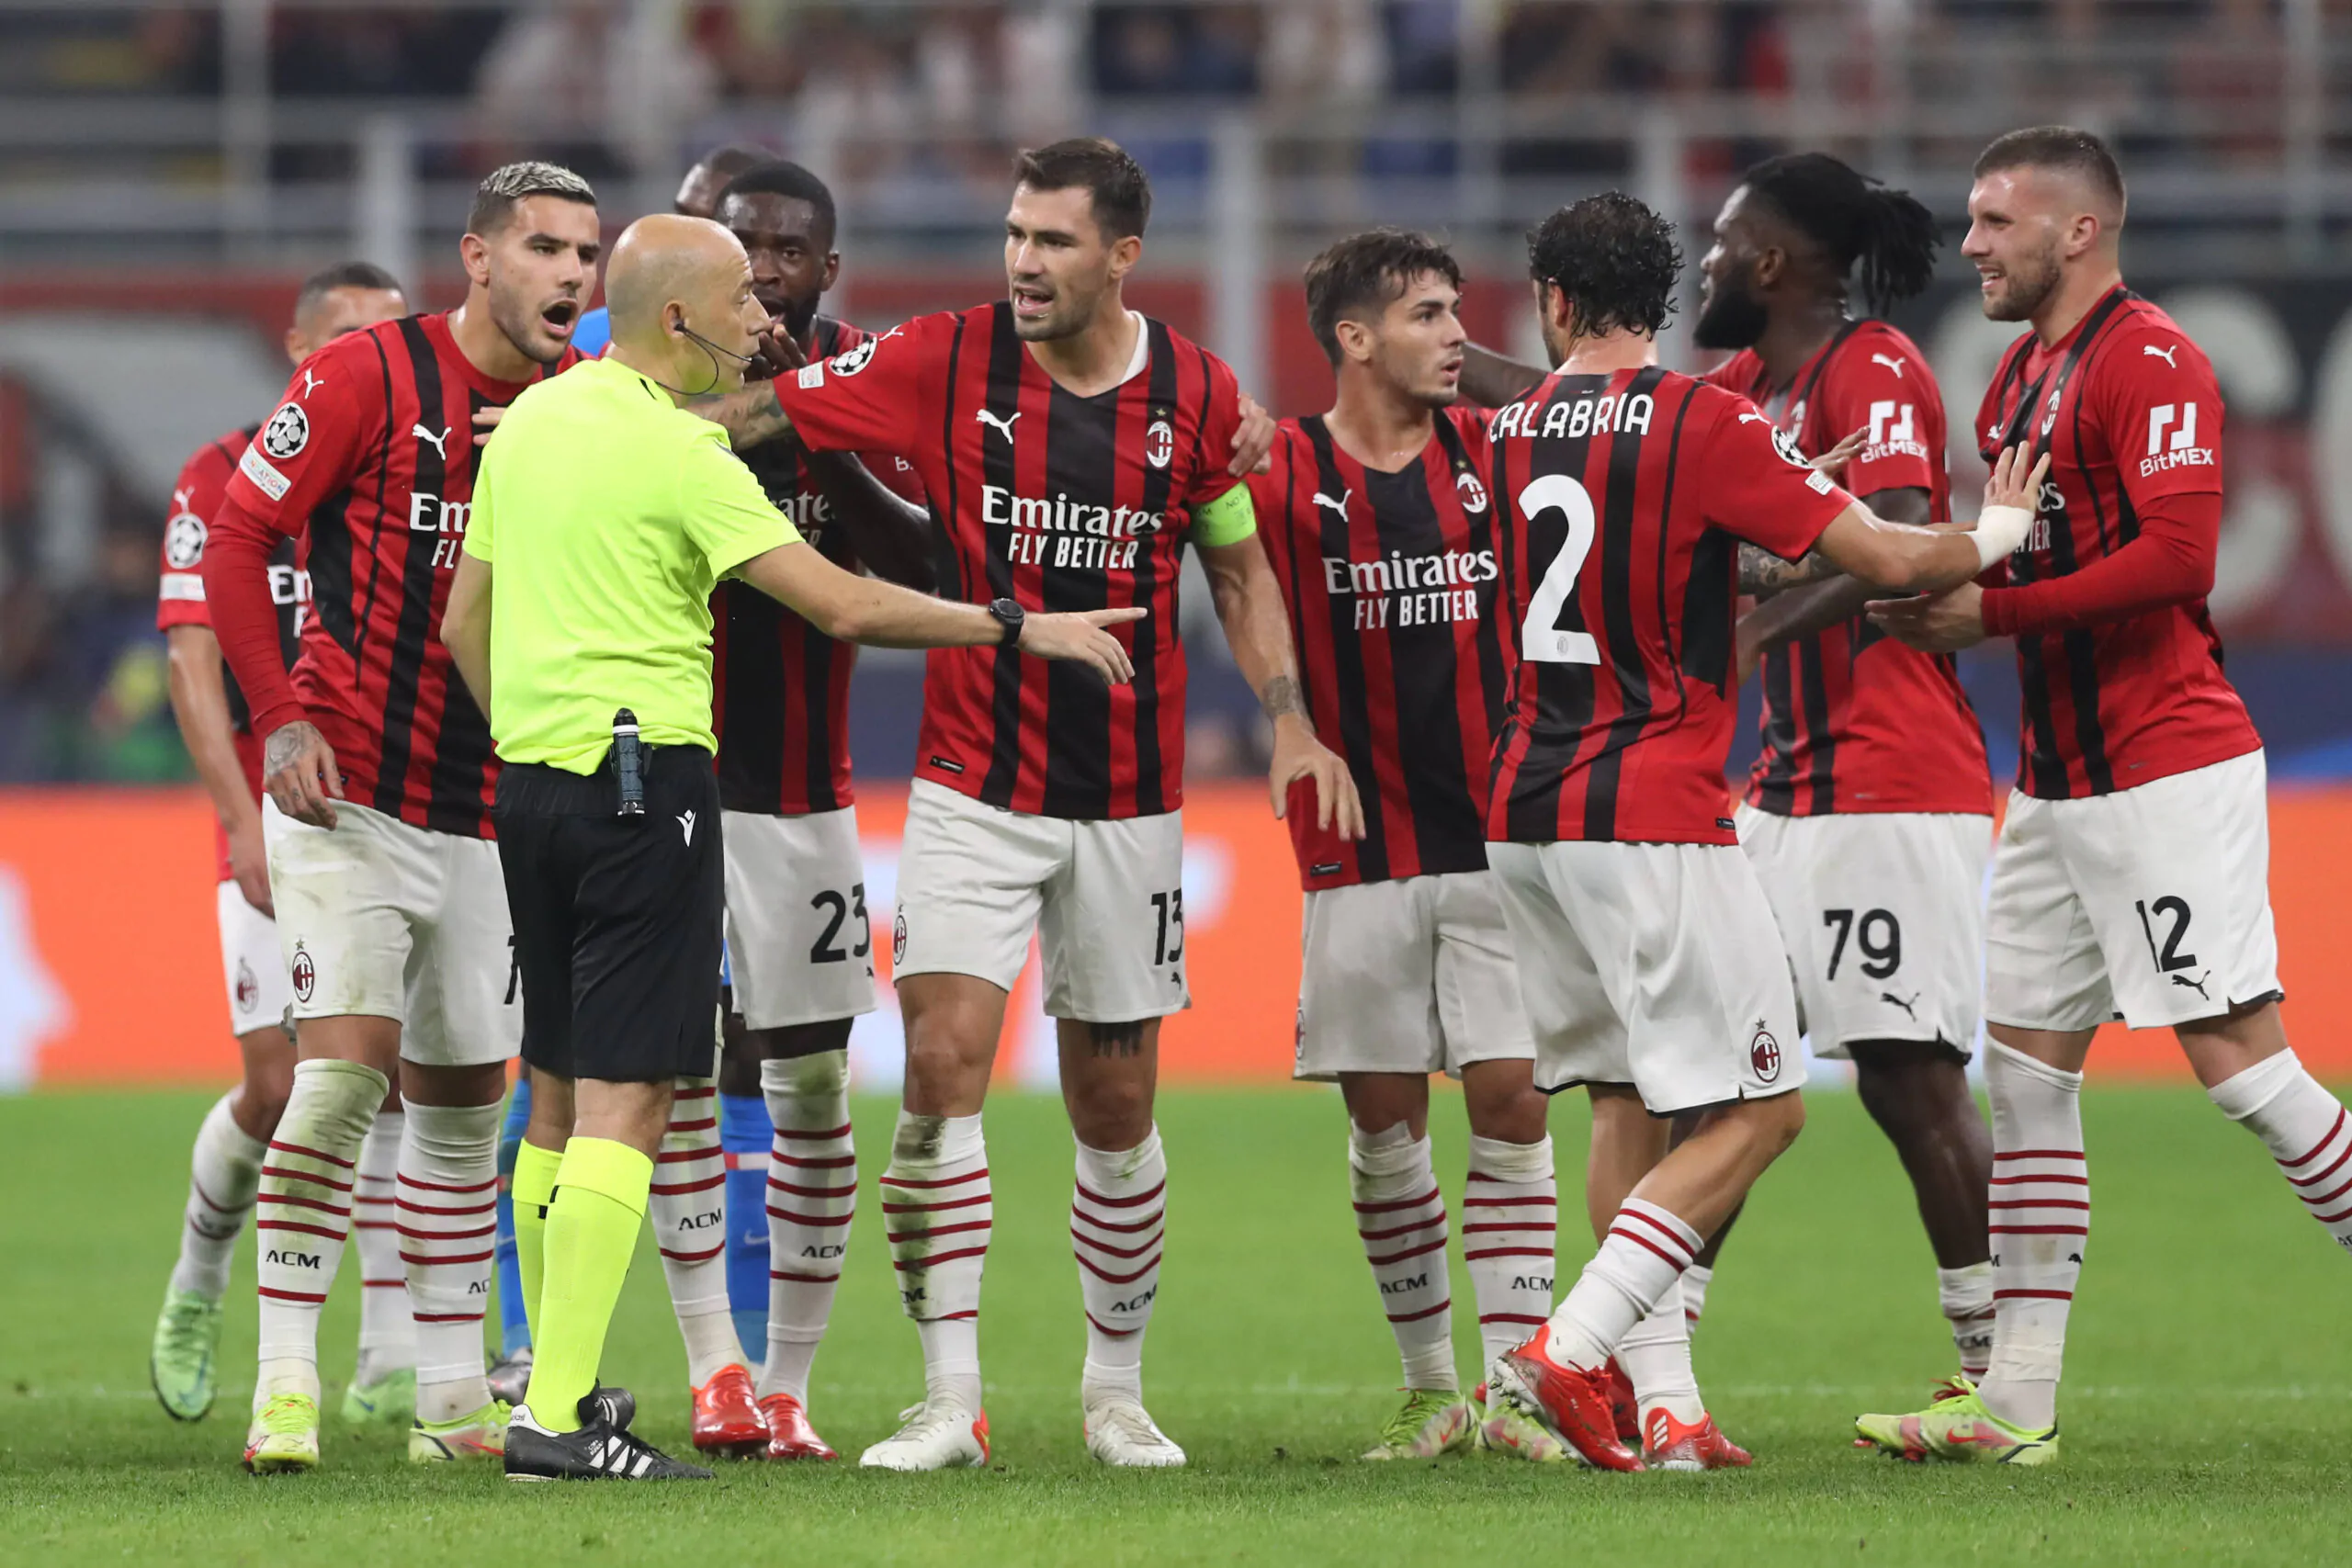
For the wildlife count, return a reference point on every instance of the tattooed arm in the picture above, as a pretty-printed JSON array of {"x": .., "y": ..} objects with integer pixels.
[
  {"x": 749, "y": 417},
  {"x": 1832, "y": 598}
]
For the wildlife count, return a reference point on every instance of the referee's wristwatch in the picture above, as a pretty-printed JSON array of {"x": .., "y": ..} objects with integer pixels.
[{"x": 1009, "y": 615}]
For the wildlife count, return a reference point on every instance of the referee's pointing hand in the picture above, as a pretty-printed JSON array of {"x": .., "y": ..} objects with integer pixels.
[{"x": 1083, "y": 636}]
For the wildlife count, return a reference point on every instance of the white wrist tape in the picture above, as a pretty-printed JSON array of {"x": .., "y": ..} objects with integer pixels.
[{"x": 1999, "y": 531}]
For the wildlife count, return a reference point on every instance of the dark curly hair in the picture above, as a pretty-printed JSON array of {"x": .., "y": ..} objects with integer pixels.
[
  {"x": 1369, "y": 269},
  {"x": 1615, "y": 259},
  {"x": 1853, "y": 219}
]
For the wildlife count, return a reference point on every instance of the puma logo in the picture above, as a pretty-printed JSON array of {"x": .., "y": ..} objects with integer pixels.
[
  {"x": 686, "y": 825},
  {"x": 2163, "y": 353},
  {"x": 310, "y": 382},
  {"x": 2196, "y": 985},
  {"x": 1339, "y": 507},
  {"x": 1002, "y": 426},
  {"x": 180, "y": 498},
  {"x": 440, "y": 442},
  {"x": 1893, "y": 362},
  {"x": 1757, "y": 417},
  {"x": 1910, "y": 1007}
]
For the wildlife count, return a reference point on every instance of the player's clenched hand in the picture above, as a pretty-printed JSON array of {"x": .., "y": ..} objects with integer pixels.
[
  {"x": 1934, "y": 623},
  {"x": 249, "y": 866},
  {"x": 1083, "y": 636},
  {"x": 1832, "y": 463},
  {"x": 485, "y": 421},
  {"x": 1299, "y": 755},
  {"x": 1253, "y": 442},
  {"x": 299, "y": 771}
]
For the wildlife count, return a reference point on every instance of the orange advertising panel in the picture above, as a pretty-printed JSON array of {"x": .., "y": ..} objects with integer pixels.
[{"x": 110, "y": 969}]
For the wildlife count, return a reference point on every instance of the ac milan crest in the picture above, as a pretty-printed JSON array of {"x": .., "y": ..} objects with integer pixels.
[
  {"x": 1764, "y": 1054},
  {"x": 1159, "y": 443},
  {"x": 898, "y": 938},
  {"x": 1473, "y": 493},
  {"x": 248, "y": 988},
  {"x": 304, "y": 974}
]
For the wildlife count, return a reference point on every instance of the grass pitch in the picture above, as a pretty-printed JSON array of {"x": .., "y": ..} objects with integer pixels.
[{"x": 2205, "y": 1412}]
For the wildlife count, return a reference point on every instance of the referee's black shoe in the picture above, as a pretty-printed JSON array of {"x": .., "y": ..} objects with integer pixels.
[{"x": 602, "y": 1450}]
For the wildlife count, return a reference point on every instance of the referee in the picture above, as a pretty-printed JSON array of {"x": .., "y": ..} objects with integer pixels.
[{"x": 603, "y": 513}]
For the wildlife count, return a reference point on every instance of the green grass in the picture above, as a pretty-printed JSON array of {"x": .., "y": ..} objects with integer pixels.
[{"x": 2205, "y": 1411}]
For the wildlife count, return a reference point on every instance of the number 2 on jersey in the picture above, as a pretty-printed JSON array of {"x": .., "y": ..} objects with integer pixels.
[{"x": 1540, "y": 637}]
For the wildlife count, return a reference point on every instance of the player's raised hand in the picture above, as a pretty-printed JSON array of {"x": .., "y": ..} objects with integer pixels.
[
  {"x": 485, "y": 421},
  {"x": 1299, "y": 755},
  {"x": 1084, "y": 636},
  {"x": 1832, "y": 463},
  {"x": 1253, "y": 442},
  {"x": 777, "y": 351},
  {"x": 2012, "y": 482},
  {"x": 1934, "y": 623},
  {"x": 299, "y": 771}
]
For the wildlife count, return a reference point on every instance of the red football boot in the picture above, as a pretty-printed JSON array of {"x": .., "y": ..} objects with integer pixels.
[
  {"x": 1572, "y": 1402},
  {"x": 1623, "y": 1407},
  {"x": 1668, "y": 1444},
  {"x": 789, "y": 1434},
  {"x": 727, "y": 1421}
]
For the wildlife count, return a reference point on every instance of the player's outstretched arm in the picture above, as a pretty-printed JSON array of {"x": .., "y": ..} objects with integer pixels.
[
  {"x": 1490, "y": 380},
  {"x": 465, "y": 626},
  {"x": 200, "y": 705},
  {"x": 1898, "y": 559},
  {"x": 1256, "y": 628},
  {"x": 1801, "y": 612},
  {"x": 881, "y": 614}
]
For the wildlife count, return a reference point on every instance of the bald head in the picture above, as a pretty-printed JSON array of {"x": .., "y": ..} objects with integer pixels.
[{"x": 672, "y": 280}]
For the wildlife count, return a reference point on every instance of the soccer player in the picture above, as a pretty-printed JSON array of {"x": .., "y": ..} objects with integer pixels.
[
  {"x": 798, "y": 938},
  {"x": 2131, "y": 872},
  {"x": 1647, "y": 955},
  {"x": 378, "y": 763},
  {"x": 1379, "y": 521},
  {"x": 1869, "y": 808},
  {"x": 1073, "y": 449},
  {"x": 218, "y": 727},
  {"x": 697, "y": 197}
]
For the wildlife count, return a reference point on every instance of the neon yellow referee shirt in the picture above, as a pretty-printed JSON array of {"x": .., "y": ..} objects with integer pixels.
[{"x": 607, "y": 513}]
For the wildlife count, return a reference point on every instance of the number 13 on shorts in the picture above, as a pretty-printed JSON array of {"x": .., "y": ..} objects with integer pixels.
[{"x": 1168, "y": 944}]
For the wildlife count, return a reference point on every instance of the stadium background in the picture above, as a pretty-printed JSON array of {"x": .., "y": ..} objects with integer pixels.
[{"x": 168, "y": 171}]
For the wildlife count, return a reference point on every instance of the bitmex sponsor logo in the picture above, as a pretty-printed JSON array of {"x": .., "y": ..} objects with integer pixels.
[
  {"x": 1062, "y": 531},
  {"x": 1412, "y": 590}
]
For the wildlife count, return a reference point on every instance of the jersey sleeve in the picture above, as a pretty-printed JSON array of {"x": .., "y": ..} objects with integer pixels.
[
  {"x": 315, "y": 441},
  {"x": 2161, "y": 410},
  {"x": 1885, "y": 392},
  {"x": 881, "y": 395},
  {"x": 727, "y": 515},
  {"x": 1755, "y": 485},
  {"x": 1220, "y": 421},
  {"x": 195, "y": 497}
]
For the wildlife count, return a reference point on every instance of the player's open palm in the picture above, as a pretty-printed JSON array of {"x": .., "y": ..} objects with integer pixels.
[
  {"x": 1084, "y": 637},
  {"x": 2016, "y": 479},
  {"x": 299, "y": 771},
  {"x": 1832, "y": 463},
  {"x": 1299, "y": 755}
]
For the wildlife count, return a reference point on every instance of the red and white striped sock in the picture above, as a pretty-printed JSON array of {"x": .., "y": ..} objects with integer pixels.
[
  {"x": 1400, "y": 1214},
  {"x": 448, "y": 1230},
  {"x": 687, "y": 1204},
  {"x": 1696, "y": 1280},
  {"x": 1646, "y": 1251},
  {"x": 1118, "y": 1218},
  {"x": 224, "y": 1172},
  {"x": 2040, "y": 1212},
  {"x": 387, "y": 1326},
  {"x": 304, "y": 1217},
  {"x": 1509, "y": 1238},
  {"x": 2306, "y": 1130},
  {"x": 812, "y": 1195},
  {"x": 939, "y": 1208},
  {"x": 1656, "y": 1354},
  {"x": 1966, "y": 1297}
]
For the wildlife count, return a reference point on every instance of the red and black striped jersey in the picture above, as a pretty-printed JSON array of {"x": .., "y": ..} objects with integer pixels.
[
  {"x": 370, "y": 462},
  {"x": 1390, "y": 579},
  {"x": 1062, "y": 503},
  {"x": 1621, "y": 499},
  {"x": 179, "y": 600},
  {"x": 780, "y": 687},
  {"x": 1853, "y": 720},
  {"x": 2128, "y": 411}
]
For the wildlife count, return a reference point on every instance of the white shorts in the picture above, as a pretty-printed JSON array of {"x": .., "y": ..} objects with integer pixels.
[
  {"x": 1414, "y": 975},
  {"x": 1883, "y": 917},
  {"x": 380, "y": 917},
  {"x": 1105, "y": 898},
  {"x": 251, "y": 964},
  {"x": 1653, "y": 965},
  {"x": 799, "y": 943},
  {"x": 2152, "y": 904}
]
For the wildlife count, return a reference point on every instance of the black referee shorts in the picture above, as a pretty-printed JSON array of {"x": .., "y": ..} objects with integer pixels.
[{"x": 618, "y": 919}]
